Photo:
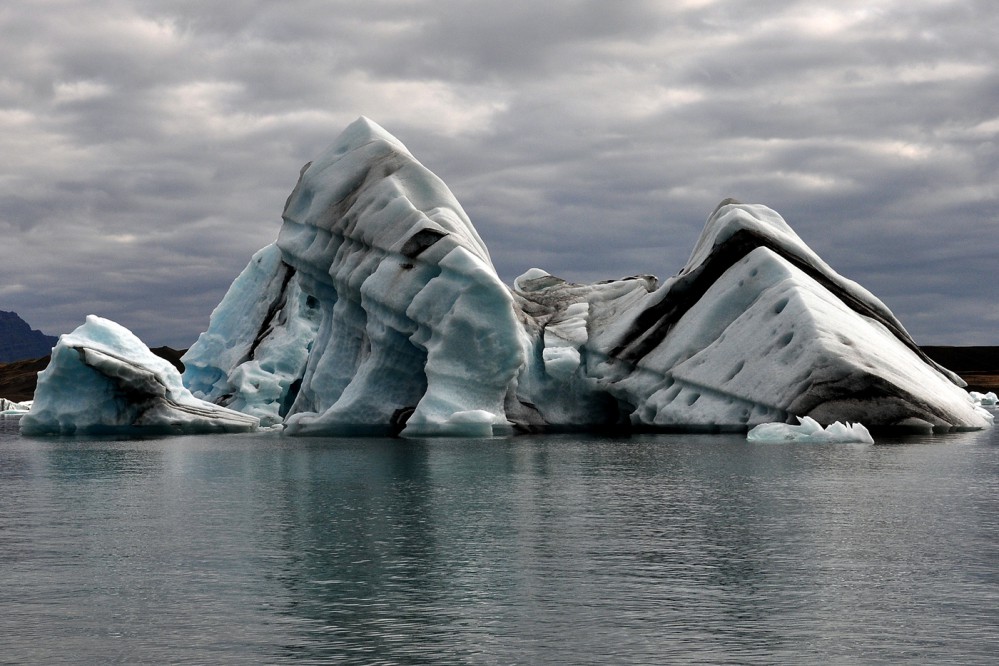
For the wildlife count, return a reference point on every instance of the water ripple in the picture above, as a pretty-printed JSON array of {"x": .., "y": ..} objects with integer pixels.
[{"x": 556, "y": 550}]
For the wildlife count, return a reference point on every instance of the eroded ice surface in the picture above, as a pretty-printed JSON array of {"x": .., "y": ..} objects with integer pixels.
[
  {"x": 252, "y": 357},
  {"x": 756, "y": 328},
  {"x": 413, "y": 330},
  {"x": 378, "y": 311},
  {"x": 103, "y": 379},
  {"x": 410, "y": 326},
  {"x": 809, "y": 431}
]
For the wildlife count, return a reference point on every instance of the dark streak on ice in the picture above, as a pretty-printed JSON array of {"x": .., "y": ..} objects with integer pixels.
[
  {"x": 865, "y": 388},
  {"x": 399, "y": 418},
  {"x": 653, "y": 325},
  {"x": 267, "y": 325},
  {"x": 420, "y": 241},
  {"x": 288, "y": 399}
]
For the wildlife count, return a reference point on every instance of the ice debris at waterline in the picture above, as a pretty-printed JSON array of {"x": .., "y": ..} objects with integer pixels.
[
  {"x": 989, "y": 399},
  {"x": 378, "y": 311},
  {"x": 809, "y": 430},
  {"x": 12, "y": 408},
  {"x": 103, "y": 380}
]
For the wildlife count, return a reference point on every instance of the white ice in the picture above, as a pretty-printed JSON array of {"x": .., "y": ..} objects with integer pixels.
[
  {"x": 103, "y": 379},
  {"x": 985, "y": 399},
  {"x": 810, "y": 431},
  {"x": 12, "y": 408}
]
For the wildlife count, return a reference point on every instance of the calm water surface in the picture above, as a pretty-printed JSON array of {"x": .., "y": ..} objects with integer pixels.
[{"x": 528, "y": 550}]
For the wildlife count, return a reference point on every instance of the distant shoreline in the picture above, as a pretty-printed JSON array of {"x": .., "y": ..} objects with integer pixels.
[
  {"x": 979, "y": 366},
  {"x": 18, "y": 378}
]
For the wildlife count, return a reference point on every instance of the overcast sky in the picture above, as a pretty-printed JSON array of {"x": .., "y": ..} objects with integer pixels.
[{"x": 147, "y": 147}]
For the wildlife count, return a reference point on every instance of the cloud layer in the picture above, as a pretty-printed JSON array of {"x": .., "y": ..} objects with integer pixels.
[{"x": 149, "y": 146}]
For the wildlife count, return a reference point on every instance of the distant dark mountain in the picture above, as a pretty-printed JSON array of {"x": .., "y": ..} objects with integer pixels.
[
  {"x": 18, "y": 341},
  {"x": 18, "y": 379}
]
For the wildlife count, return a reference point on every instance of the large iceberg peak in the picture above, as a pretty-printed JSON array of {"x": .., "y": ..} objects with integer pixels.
[
  {"x": 782, "y": 240},
  {"x": 732, "y": 233},
  {"x": 368, "y": 173},
  {"x": 363, "y": 131},
  {"x": 412, "y": 325}
]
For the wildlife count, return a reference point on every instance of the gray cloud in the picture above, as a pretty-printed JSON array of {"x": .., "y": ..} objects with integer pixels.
[{"x": 149, "y": 146}]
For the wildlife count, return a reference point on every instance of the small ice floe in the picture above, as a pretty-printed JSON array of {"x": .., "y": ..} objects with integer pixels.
[
  {"x": 810, "y": 431},
  {"x": 103, "y": 380},
  {"x": 12, "y": 408},
  {"x": 989, "y": 399}
]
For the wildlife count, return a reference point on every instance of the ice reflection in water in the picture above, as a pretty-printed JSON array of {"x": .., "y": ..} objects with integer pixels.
[{"x": 562, "y": 549}]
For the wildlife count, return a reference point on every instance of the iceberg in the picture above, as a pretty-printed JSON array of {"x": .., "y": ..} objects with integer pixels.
[
  {"x": 377, "y": 310},
  {"x": 408, "y": 326},
  {"x": 12, "y": 408},
  {"x": 104, "y": 380},
  {"x": 809, "y": 431},
  {"x": 380, "y": 312}
]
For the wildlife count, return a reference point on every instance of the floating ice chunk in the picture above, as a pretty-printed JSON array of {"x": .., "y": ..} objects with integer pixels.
[
  {"x": 810, "y": 431},
  {"x": 985, "y": 399},
  {"x": 12, "y": 408},
  {"x": 984, "y": 404},
  {"x": 102, "y": 379}
]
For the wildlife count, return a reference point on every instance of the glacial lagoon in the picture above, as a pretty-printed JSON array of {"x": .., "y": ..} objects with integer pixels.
[{"x": 557, "y": 549}]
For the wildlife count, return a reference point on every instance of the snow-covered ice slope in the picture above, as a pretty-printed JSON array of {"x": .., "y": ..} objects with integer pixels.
[
  {"x": 102, "y": 380},
  {"x": 379, "y": 310}
]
